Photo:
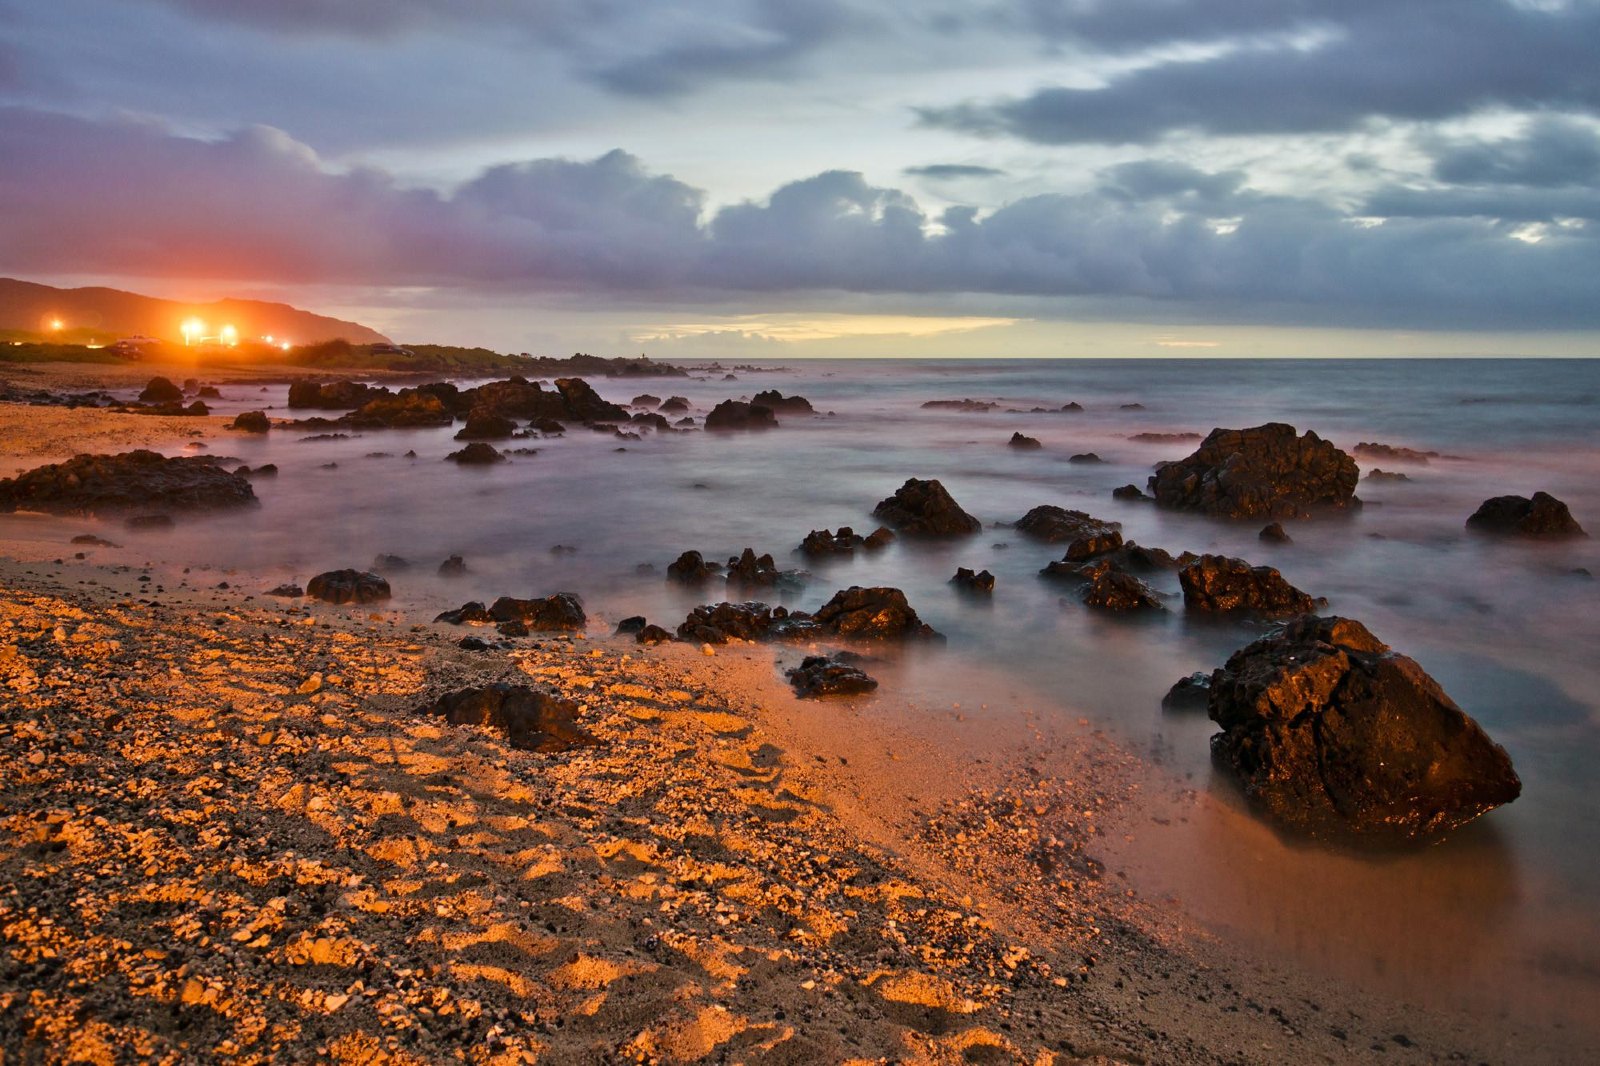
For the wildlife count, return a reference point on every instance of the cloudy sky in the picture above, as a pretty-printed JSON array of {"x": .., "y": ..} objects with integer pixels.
[{"x": 827, "y": 177}]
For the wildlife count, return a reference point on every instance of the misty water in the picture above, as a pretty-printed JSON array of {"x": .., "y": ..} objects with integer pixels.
[{"x": 1503, "y": 917}]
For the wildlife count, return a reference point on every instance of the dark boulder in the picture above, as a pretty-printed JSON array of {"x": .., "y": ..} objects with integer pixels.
[
  {"x": 455, "y": 566},
  {"x": 94, "y": 541},
  {"x": 515, "y": 397},
  {"x": 1085, "y": 457},
  {"x": 1053, "y": 524},
  {"x": 1274, "y": 533},
  {"x": 644, "y": 399},
  {"x": 477, "y": 453},
  {"x": 337, "y": 396},
  {"x": 1165, "y": 438},
  {"x": 1390, "y": 454},
  {"x": 653, "y": 634},
  {"x": 409, "y": 408},
  {"x": 562, "y": 611},
  {"x": 1192, "y": 693},
  {"x": 348, "y": 586},
  {"x": 264, "y": 470},
  {"x": 287, "y": 591},
  {"x": 584, "y": 404},
  {"x": 818, "y": 676},
  {"x": 875, "y": 614},
  {"x": 631, "y": 624},
  {"x": 1385, "y": 475},
  {"x": 384, "y": 563},
  {"x": 721, "y": 622},
  {"x": 98, "y": 484},
  {"x": 1267, "y": 471},
  {"x": 925, "y": 509},
  {"x": 878, "y": 539},
  {"x": 960, "y": 405},
  {"x": 1220, "y": 583},
  {"x": 1113, "y": 590},
  {"x": 1072, "y": 407},
  {"x": 1542, "y": 516},
  {"x": 161, "y": 390},
  {"x": 209, "y": 392},
  {"x": 967, "y": 581},
  {"x": 674, "y": 404},
  {"x": 1128, "y": 492},
  {"x": 1025, "y": 443},
  {"x": 251, "y": 422},
  {"x": 690, "y": 568},
  {"x": 653, "y": 420},
  {"x": 1333, "y": 734},
  {"x": 777, "y": 401},
  {"x": 820, "y": 543},
  {"x": 512, "y": 627},
  {"x": 470, "y": 613},
  {"x": 736, "y": 415},
  {"x": 486, "y": 425},
  {"x": 531, "y": 719},
  {"x": 752, "y": 570},
  {"x": 1092, "y": 544}
]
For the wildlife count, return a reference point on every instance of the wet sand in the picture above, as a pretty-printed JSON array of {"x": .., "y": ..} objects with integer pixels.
[{"x": 225, "y": 831}]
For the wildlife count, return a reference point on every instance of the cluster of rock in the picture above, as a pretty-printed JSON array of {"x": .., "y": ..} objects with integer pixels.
[
  {"x": 746, "y": 569},
  {"x": 101, "y": 484},
  {"x": 732, "y": 415},
  {"x": 348, "y": 586},
  {"x": 489, "y": 411},
  {"x": 821, "y": 543},
  {"x": 1267, "y": 471},
  {"x": 561, "y": 612},
  {"x": 860, "y": 614},
  {"x": 1541, "y": 516}
]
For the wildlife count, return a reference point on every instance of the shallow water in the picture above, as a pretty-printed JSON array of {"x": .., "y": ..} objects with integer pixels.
[{"x": 1503, "y": 917}]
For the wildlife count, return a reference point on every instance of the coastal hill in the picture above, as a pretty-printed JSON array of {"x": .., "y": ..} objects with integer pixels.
[{"x": 29, "y": 310}]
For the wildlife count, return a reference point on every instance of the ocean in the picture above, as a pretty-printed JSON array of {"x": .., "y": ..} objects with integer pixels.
[{"x": 1502, "y": 917}]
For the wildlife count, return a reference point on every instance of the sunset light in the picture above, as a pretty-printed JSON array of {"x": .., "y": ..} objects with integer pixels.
[
  {"x": 192, "y": 329},
  {"x": 229, "y": 336}
]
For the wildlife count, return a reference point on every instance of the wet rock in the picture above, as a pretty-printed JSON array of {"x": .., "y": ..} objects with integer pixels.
[
  {"x": 967, "y": 581},
  {"x": 470, "y": 643},
  {"x": 1274, "y": 533},
  {"x": 1128, "y": 492},
  {"x": 872, "y": 614},
  {"x": 563, "y": 611},
  {"x": 1333, "y": 734},
  {"x": 653, "y": 420},
  {"x": 721, "y": 622},
  {"x": 635, "y": 623},
  {"x": 819, "y": 676},
  {"x": 737, "y": 415},
  {"x": 1113, "y": 590},
  {"x": 513, "y": 398},
  {"x": 1025, "y": 443},
  {"x": 1053, "y": 524},
  {"x": 455, "y": 566},
  {"x": 288, "y": 592},
  {"x": 683, "y": 423},
  {"x": 209, "y": 392},
  {"x": 408, "y": 409},
  {"x": 161, "y": 390},
  {"x": 653, "y": 634},
  {"x": 960, "y": 405},
  {"x": 1192, "y": 693},
  {"x": 251, "y": 422},
  {"x": 486, "y": 425},
  {"x": 1390, "y": 454},
  {"x": 469, "y": 613},
  {"x": 584, "y": 404},
  {"x": 97, "y": 484},
  {"x": 532, "y": 720},
  {"x": 1541, "y": 516},
  {"x": 1267, "y": 471},
  {"x": 1221, "y": 583},
  {"x": 264, "y": 470},
  {"x": 778, "y": 402},
  {"x": 1385, "y": 475},
  {"x": 751, "y": 570},
  {"x": 925, "y": 509},
  {"x": 1165, "y": 438},
  {"x": 348, "y": 586},
  {"x": 690, "y": 568},
  {"x": 878, "y": 539},
  {"x": 477, "y": 453},
  {"x": 1085, "y": 457},
  {"x": 644, "y": 399},
  {"x": 674, "y": 404},
  {"x": 1091, "y": 544},
  {"x": 820, "y": 543},
  {"x": 336, "y": 396}
]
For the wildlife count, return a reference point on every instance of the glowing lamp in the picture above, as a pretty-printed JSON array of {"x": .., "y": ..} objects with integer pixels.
[
  {"x": 55, "y": 325},
  {"x": 284, "y": 345},
  {"x": 192, "y": 329},
  {"x": 229, "y": 336}
]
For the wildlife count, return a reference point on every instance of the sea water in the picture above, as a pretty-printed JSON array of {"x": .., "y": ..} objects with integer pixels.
[{"x": 1502, "y": 917}]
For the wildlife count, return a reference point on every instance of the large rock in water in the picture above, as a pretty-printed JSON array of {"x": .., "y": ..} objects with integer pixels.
[
  {"x": 872, "y": 614},
  {"x": 1332, "y": 734},
  {"x": 925, "y": 509},
  {"x": 558, "y": 612},
  {"x": 100, "y": 484},
  {"x": 1053, "y": 524},
  {"x": 1221, "y": 583},
  {"x": 531, "y": 720},
  {"x": 736, "y": 414},
  {"x": 584, "y": 404},
  {"x": 1267, "y": 471},
  {"x": 348, "y": 586},
  {"x": 1541, "y": 516}
]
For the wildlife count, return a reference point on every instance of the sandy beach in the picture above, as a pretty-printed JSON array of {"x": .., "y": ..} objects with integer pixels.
[{"x": 227, "y": 832}]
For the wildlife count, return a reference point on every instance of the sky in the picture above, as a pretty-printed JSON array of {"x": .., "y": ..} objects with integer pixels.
[{"x": 774, "y": 178}]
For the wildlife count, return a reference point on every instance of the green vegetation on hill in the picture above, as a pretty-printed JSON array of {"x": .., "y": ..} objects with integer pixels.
[
  {"x": 426, "y": 358},
  {"x": 56, "y": 353}
]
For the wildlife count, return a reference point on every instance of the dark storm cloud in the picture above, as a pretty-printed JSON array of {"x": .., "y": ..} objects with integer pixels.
[
  {"x": 1420, "y": 60},
  {"x": 135, "y": 200},
  {"x": 952, "y": 171},
  {"x": 1550, "y": 152}
]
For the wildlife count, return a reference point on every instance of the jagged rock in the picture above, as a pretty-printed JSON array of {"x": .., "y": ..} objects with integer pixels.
[
  {"x": 161, "y": 390},
  {"x": 455, "y": 566},
  {"x": 251, "y": 422},
  {"x": 878, "y": 539},
  {"x": 512, "y": 627},
  {"x": 469, "y": 613},
  {"x": 477, "y": 453},
  {"x": 515, "y": 397},
  {"x": 644, "y": 399},
  {"x": 99, "y": 484},
  {"x": 735, "y": 415},
  {"x": 532, "y": 720},
  {"x": 563, "y": 611},
  {"x": 1274, "y": 533},
  {"x": 1053, "y": 524},
  {"x": 1072, "y": 406},
  {"x": 409, "y": 408},
  {"x": 1164, "y": 438},
  {"x": 1385, "y": 475},
  {"x": 1085, "y": 457},
  {"x": 967, "y": 581},
  {"x": 674, "y": 404},
  {"x": 818, "y": 676},
  {"x": 337, "y": 396},
  {"x": 288, "y": 592},
  {"x": 751, "y": 570},
  {"x": 1390, "y": 454},
  {"x": 1113, "y": 590},
  {"x": 486, "y": 425},
  {"x": 876, "y": 614},
  {"x": 690, "y": 568},
  {"x": 348, "y": 586},
  {"x": 382, "y": 563},
  {"x": 1220, "y": 583},
  {"x": 264, "y": 470},
  {"x": 1332, "y": 733},
  {"x": 722, "y": 622},
  {"x": 584, "y": 404},
  {"x": 653, "y": 634},
  {"x": 1192, "y": 693},
  {"x": 1025, "y": 443},
  {"x": 778, "y": 402},
  {"x": 820, "y": 542},
  {"x": 1091, "y": 544},
  {"x": 925, "y": 509},
  {"x": 961, "y": 405},
  {"x": 653, "y": 420},
  {"x": 1542, "y": 516},
  {"x": 1128, "y": 492},
  {"x": 1266, "y": 471}
]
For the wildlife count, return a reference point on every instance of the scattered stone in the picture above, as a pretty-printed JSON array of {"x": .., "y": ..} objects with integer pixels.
[
  {"x": 1024, "y": 443},
  {"x": 1541, "y": 516},
  {"x": 348, "y": 586},
  {"x": 97, "y": 484},
  {"x": 926, "y": 509},
  {"x": 1192, "y": 693},
  {"x": 819, "y": 676},
  {"x": 1220, "y": 583},
  {"x": 532, "y": 720},
  {"x": 737, "y": 415},
  {"x": 476, "y": 454},
  {"x": 967, "y": 581},
  {"x": 1274, "y": 533},
  {"x": 1332, "y": 733},
  {"x": 251, "y": 422},
  {"x": 1265, "y": 471},
  {"x": 562, "y": 611}
]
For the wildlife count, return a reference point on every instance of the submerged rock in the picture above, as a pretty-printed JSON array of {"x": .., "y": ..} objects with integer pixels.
[
  {"x": 1221, "y": 583},
  {"x": 820, "y": 542},
  {"x": 337, "y": 396},
  {"x": 584, "y": 404},
  {"x": 737, "y": 415},
  {"x": 1274, "y": 533},
  {"x": 960, "y": 405},
  {"x": 760, "y": 571},
  {"x": 874, "y": 614},
  {"x": 1541, "y": 516},
  {"x": 818, "y": 676},
  {"x": 1267, "y": 471},
  {"x": 1390, "y": 453},
  {"x": 1025, "y": 443},
  {"x": 926, "y": 509},
  {"x": 476, "y": 454},
  {"x": 455, "y": 566},
  {"x": 1332, "y": 733},
  {"x": 98, "y": 484},
  {"x": 690, "y": 568},
  {"x": 1053, "y": 524},
  {"x": 348, "y": 586},
  {"x": 1192, "y": 693},
  {"x": 1128, "y": 492},
  {"x": 1113, "y": 590},
  {"x": 486, "y": 425},
  {"x": 774, "y": 400},
  {"x": 1085, "y": 457},
  {"x": 967, "y": 581},
  {"x": 532, "y": 720},
  {"x": 161, "y": 390},
  {"x": 251, "y": 422}
]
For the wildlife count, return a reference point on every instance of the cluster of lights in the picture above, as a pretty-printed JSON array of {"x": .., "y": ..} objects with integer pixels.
[{"x": 194, "y": 330}]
